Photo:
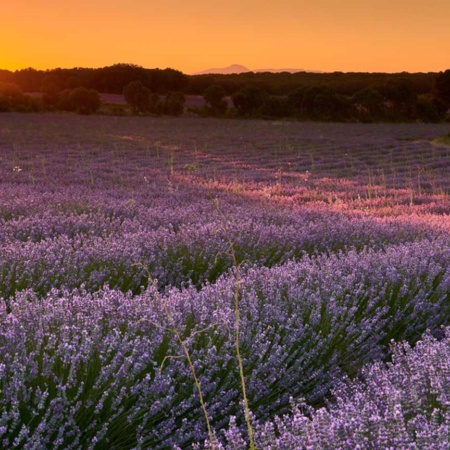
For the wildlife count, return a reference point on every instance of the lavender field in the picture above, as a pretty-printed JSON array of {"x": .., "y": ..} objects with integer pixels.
[{"x": 116, "y": 231}]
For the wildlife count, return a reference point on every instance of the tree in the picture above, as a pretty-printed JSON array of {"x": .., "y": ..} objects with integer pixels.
[
  {"x": 248, "y": 100},
  {"x": 174, "y": 103},
  {"x": 324, "y": 103},
  {"x": 72, "y": 82},
  {"x": 214, "y": 99},
  {"x": 84, "y": 101},
  {"x": 369, "y": 104},
  {"x": 441, "y": 87},
  {"x": 402, "y": 96},
  {"x": 430, "y": 109},
  {"x": 309, "y": 104},
  {"x": 10, "y": 90},
  {"x": 5, "y": 104},
  {"x": 138, "y": 97},
  {"x": 50, "y": 87},
  {"x": 275, "y": 106},
  {"x": 295, "y": 99}
]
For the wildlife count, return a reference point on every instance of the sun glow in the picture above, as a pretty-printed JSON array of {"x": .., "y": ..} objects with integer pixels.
[{"x": 326, "y": 35}]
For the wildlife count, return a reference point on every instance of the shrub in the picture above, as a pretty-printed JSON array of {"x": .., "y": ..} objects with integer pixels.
[
  {"x": 402, "y": 405},
  {"x": 5, "y": 105},
  {"x": 214, "y": 99},
  {"x": 442, "y": 87},
  {"x": 138, "y": 97},
  {"x": 248, "y": 100},
  {"x": 275, "y": 107},
  {"x": 84, "y": 101},
  {"x": 10, "y": 90},
  {"x": 174, "y": 103}
]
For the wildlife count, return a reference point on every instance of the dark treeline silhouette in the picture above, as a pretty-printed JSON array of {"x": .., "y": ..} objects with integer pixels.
[
  {"x": 78, "y": 89},
  {"x": 283, "y": 83},
  {"x": 111, "y": 79},
  {"x": 366, "y": 97}
]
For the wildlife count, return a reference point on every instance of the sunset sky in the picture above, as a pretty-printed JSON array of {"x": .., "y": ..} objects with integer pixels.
[{"x": 192, "y": 35}]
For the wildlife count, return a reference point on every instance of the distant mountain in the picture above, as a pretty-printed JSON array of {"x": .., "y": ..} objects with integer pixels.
[
  {"x": 281, "y": 70},
  {"x": 234, "y": 68},
  {"x": 238, "y": 68}
]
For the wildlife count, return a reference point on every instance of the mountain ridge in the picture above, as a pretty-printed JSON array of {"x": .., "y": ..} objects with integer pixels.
[{"x": 239, "y": 68}]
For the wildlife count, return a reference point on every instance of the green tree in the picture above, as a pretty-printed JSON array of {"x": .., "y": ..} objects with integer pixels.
[
  {"x": 430, "y": 109},
  {"x": 369, "y": 104},
  {"x": 402, "y": 96},
  {"x": 248, "y": 100},
  {"x": 214, "y": 99},
  {"x": 5, "y": 104},
  {"x": 84, "y": 101},
  {"x": 324, "y": 103},
  {"x": 10, "y": 90},
  {"x": 72, "y": 82},
  {"x": 295, "y": 99},
  {"x": 155, "y": 105},
  {"x": 275, "y": 106},
  {"x": 441, "y": 87},
  {"x": 174, "y": 103},
  {"x": 50, "y": 87},
  {"x": 138, "y": 97}
]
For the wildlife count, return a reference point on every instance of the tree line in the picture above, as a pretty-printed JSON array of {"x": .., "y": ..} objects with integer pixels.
[
  {"x": 78, "y": 89},
  {"x": 334, "y": 96},
  {"x": 111, "y": 79},
  {"x": 395, "y": 101}
]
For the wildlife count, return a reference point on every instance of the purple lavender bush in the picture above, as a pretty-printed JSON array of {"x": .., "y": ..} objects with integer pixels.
[
  {"x": 81, "y": 367},
  {"x": 403, "y": 404},
  {"x": 341, "y": 234}
]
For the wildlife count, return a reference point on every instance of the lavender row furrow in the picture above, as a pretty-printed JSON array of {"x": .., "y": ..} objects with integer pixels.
[
  {"x": 79, "y": 367},
  {"x": 70, "y": 251},
  {"x": 401, "y": 405}
]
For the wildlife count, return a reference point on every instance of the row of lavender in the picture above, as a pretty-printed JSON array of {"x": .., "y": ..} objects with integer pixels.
[
  {"x": 308, "y": 162},
  {"x": 93, "y": 241},
  {"x": 404, "y": 405},
  {"x": 337, "y": 262},
  {"x": 80, "y": 368}
]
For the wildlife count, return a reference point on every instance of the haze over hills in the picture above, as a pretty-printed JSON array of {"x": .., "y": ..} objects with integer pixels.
[{"x": 239, "y": 68}]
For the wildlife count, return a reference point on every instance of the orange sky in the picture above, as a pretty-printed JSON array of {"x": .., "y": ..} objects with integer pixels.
[{"x": 192, "y": 35}]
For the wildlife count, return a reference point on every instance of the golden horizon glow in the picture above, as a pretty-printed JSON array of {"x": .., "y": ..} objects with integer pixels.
[{"x": 325, "y": 35}]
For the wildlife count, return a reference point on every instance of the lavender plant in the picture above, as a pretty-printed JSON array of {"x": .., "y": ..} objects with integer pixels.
[
  {"x": 344, "y": 231},
  {"x": 403, "y": 404}
]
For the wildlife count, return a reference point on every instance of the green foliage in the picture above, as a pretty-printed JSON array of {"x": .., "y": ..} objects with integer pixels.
[
  {"x": 12, "y": 99},
  {"x": 430, "y": 109},
  {"x": 10, "y": 90},
  {"x": 248, "y": 100},
  {"x": 295, "y": 99},
  {"x": 84, "y": 101},
  {"x": 214, "y": 99},
  {"x": 174, "y": 103},
  {"x": 72, "y": 82},
  {"x": 324, "y": 103},
  {"x": 284, "y": 83},
  {"x": 50, "y": 87},
  {"x": 138, "y": 97},
  {"x": 441, "y": 87},
  {"x": 403, "y": 98},
  {"x": 4, "y": 103},
  {"x": 274, "y": 107},
  {"x": 369, "y": 104},
  {"x": 110, "y": 79},
  {"x": 80, "y": 100}
]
